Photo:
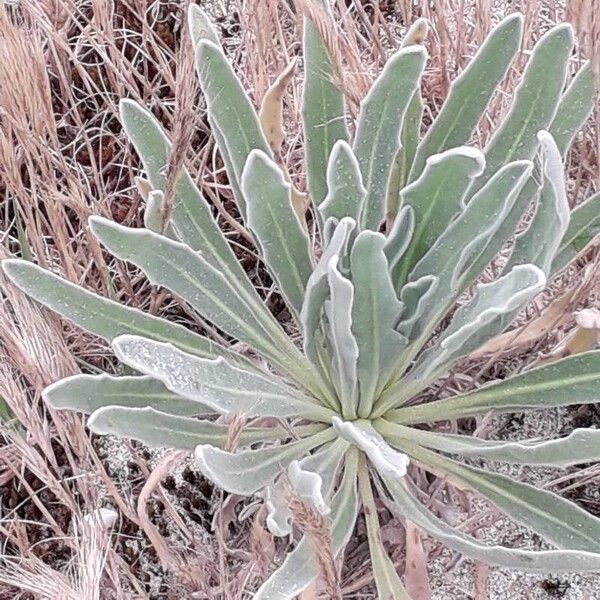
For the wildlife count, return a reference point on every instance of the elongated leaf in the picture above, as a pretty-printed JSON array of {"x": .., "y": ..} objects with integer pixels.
[
  {"x": 200, "y": 25},
  {"x": 573, "y": 380},
  {"x": 416, "y": 297},
  {"x": 248, "y": 471},
  {"x": 162, "y": 430},
  {"x": 189, "y": 275},
  {"x": 283, "y": 242},
  {"x": 490, "y": 311},
  {"x": 375, "y": 314},
  {"x": 574, "y": 108},
  {"x": 344, "y": 348},
  {"x": 192, "y": 216},
  {"x": 388, "y": 582},
  {"x": 87, "y": 393},
  {"x": 399, "y": 237},
  {"x": 512, "y": 558},
  {"x": 345, "y": 191},
  {"x": 300, "y": 566},
  {"x": 580, "y": 446},
  {"x": 584, "y": 226},
  {"x": 326, "y": 463},
  {"x": 559, "y": 521},
  {"x": 540, "y": 242},
  {"x": 226, "y": 389},
  {"x": 470, "y": 92},
  {"x": 106, "y": 318},
  {"x": 322, "y": 111},
  {"x": 379, "y": 125},
  {"x": 436, "y": 198},
  {"x": 535, "y": 104},
  {"x": 230, "y": 114}
]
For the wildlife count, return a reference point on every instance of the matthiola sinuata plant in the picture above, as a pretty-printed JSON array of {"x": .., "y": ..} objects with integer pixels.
[{"x": 335, "y": 421}]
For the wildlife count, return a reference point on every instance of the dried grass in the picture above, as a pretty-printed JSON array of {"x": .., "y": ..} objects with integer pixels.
[{"x": 64, "y": 64}]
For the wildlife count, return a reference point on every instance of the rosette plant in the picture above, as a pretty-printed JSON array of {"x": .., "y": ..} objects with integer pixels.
[{"x": 405, "y": 224}]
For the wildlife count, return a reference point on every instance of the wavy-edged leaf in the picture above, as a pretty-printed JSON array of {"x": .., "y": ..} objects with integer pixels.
[
  {"x": 584, "y": 227},
  {"x": 300, "y": 567},
  {"x": 323, "y": 115},
  {"x": 379, "y": 125},
  {"x": 573, "y": 380},
  {"x": 344, "y": 349},
  {"x": 580, "y": 446},
  {"x": 416, "y": 297},
  {"x": 375, "y": 314},
  {"x": 192, "y": 216},
  {"x": 235, "y": 310},
  {"x": 106, "y": 318},
  {"x": 535, "y": 102},
  {"x": 492, "y": 308},
  {"x": 249, "y": 471},
  {"x": 540, "y": 242},
  {"x": 87, "y": 393},
  {"x": 512, "y": 558},
  {"x": 470, "y": 92},
  {"x": 163, "y": 430},
  {"x": 223, "y": 387},
  {"x": 283, "y": 242},
  {"x": 345, "y": 190},
  {"x": 436, "y": 198},
  {"x": 230, "y": 113},
  {"x": 557, "y": 520},
  {"x": 362, "y": 434},
  {"x": 388, "y": 582}
]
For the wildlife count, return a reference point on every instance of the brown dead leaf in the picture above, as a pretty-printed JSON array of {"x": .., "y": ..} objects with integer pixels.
[
  {"x": 271, "y": 110},
  {"x": 415, "y": 574}
]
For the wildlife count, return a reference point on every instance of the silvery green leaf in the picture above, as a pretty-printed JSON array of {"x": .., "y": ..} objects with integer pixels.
[
  {"x": 345, "y": 190},
  {"x": 574, "y": 108},
  {"x": 249, "y": 471},
  {"x": 387, "y": 461},
  {"x": 158, "y": 429},
  {"x": 416, "y": 297},
  {"x": 300, "y": 568},
  {"x": 584, "y": 226},
  {"x": 512, "y": 558},
  {"x": 535, "y": 102},
  {"x": 192, "y": 216},
  {"x": 436, "y": 198},
  {"x": 387, "y": 581},
  {"x": 344, "y": 349},
  {"x": 487, "y": 314},
  {"x": 540, "y": 242},
  {"x": 379, "y": 125},
  {"x": 230, "y": 114},
  {"x": 323, "y": 116},
  {"x": 223, "y": 387},
  {"x": 572, "y": 380},
  {"x": 308, "y": 485},
  {"x": 283, "y": 242},
  {"x": 375, "y": 314},
  {"x": 557, "y": 520},
  {"x": 399, "y": 236},
  {"x": 470, "y": 92},
  {"x": 317, "y": 289},
  {"x": 326, "y": 463},
  {"x": 201, "y": 26},
  {"x": 87, "y": 393},
  {"x": 580, "y": 446},
  {"x": 220, "y": 299},
  {"x": 105, "y": 318}
]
